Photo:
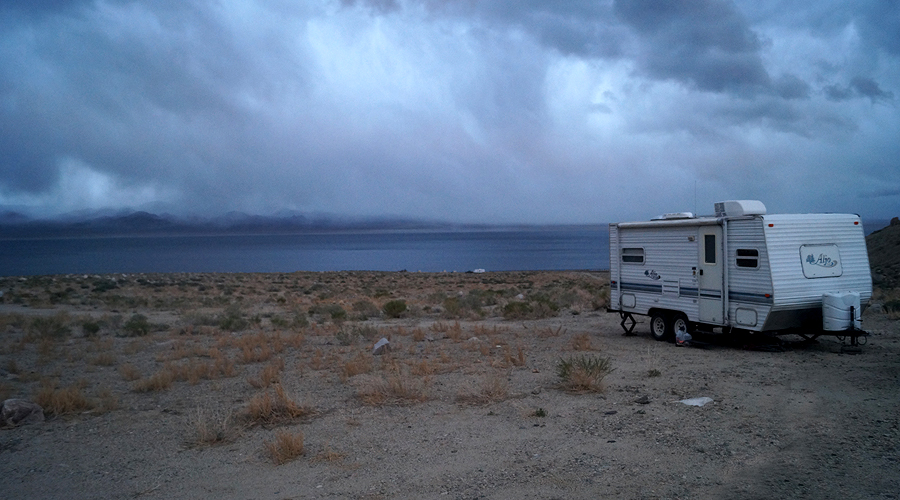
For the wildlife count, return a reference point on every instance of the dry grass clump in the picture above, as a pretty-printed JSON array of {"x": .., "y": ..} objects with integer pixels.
[
  {"x": 287, "y": 446},
  {"x": 129, "y": 372},
  {"x": 103, "y": 359},
  {"x": 259, "y": 347},
  {"x": 108, "y": 401},
  {"x": 274, "y": 408},
  {"x": 455, "y": 332},
  {"x": 330, "y": 455},
  {"x": 891, "y": 302},
  {"x": 422, "y": 368},
  {"x": 192, "y": 371},
  {"x": 134, "y": 346},
  {"x": 359, "y": 364},
  {"x": 491, "y": 388},
  {"x": 583, "y": 374},
  {"x": 270, "y": 374},
  {"x": 62, "y": 401},
  {"x": 6, "y": 391},
  {"x": 211, "y": 427},
  {"x": 582, "y": 342},
  {"x": 483, "y": 331},
  {"x": 317, "y": 361},
  {"x": 517, "y": 359},
  {"x": 159, "y": 381},
  {"x": 551, "y": 332},
  {"x": 181, "y": 350},
  {"x": 391, "y": 388}
]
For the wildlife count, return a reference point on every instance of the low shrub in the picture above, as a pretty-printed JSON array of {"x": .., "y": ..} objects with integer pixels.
[
  {"x": 517, "y": 310},
  {"x": 365, "y": 309},
  {"x": 137, "y": 326},
  {"x": 394, "y": 308},
  {"x": 333, "y": 311},
  {"x": 90, "y": 328},
  {"x": 52, "y": 327},
  {"x": 892, "y": 307},
  {"x": 233, "y": 319},
  {"x": 583, "y": 373}
]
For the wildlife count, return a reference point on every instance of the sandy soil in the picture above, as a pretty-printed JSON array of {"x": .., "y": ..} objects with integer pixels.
[{"x": 467, "y": 404}]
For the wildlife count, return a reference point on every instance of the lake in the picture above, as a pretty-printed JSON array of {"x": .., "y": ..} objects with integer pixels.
[{"x": 554, "y": 248}]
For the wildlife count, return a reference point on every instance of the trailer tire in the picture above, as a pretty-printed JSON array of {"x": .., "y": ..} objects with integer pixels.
[
  {"x": 659, "y": 326},
  {"x": 680, "y": 323}
]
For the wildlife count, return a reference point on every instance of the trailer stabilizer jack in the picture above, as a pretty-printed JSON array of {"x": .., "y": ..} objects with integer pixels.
[
  {"x": 858, "y": 338},
  {"x": 626, "y": 316}
]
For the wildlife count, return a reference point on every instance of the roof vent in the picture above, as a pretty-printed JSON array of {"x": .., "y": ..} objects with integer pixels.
[
  {"x": 737, "y": 208},
  {"x": 675, "y": 216}
]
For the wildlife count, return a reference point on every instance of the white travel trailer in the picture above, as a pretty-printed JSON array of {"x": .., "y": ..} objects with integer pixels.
[{"x": 741, "y": 269}]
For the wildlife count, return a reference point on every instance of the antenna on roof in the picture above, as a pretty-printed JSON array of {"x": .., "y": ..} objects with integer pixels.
[{"x": 695, "y": 195}]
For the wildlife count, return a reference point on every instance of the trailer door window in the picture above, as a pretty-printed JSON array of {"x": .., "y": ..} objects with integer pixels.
[
  {"x": 747, "y": 257},
  {"x": 633, "y": 255},
  {"x": 709, "y": 248}
]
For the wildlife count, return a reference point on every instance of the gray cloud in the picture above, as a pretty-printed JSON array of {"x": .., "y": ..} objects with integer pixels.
[
  {"x": 789, "y": 86},
  {"x": 858, "y": 87},
  {"x": 474, "y": 111},
  {"x": 882, "y": 193},
  {"x": 880, "y": 24},
  {"x": 706, "y": 43}
]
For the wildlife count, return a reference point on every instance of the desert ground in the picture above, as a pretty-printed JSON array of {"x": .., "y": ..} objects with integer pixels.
[{"x": 496, "y": 385}]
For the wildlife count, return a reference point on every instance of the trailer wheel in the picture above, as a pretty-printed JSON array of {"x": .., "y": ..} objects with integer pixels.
[
  {"x": 659, "y": 326},
  {"x": 680, "y": 324}
]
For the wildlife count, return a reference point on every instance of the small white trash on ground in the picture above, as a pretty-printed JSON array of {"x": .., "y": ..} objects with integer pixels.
[
  {"x": 381, "y": 347},
  {"x": 697, "y": 401}
]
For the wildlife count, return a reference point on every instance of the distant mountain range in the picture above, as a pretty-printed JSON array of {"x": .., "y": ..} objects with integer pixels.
[{"x": 14, "y": 225}]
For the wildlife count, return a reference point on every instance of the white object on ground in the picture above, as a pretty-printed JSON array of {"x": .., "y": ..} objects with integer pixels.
[
  {"x": 381, "y": 347},
  {"x": 697, "y": 401}
]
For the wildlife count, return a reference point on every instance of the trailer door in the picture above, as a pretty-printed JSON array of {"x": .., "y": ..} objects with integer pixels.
[{"x": 710, "y": 275}]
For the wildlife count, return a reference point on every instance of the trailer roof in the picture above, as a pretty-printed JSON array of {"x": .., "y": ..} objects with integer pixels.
[{"x": 696, "y": 221}]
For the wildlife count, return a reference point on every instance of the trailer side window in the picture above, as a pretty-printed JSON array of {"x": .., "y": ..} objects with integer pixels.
[
  {"x": 747, "y": 257},
  {"x": 633, "y": 255},
  {"x": 709, "y": 250}
]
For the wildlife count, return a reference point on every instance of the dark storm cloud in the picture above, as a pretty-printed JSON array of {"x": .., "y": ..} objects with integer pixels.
[
  {"x": 859, "y": 87},
  {"x": 383, "y": 6},
  {"x": 580, "y": 28},
  {"x": 706, "y": 43},
  {"x": 869, "y": 88},
  {"x": 149, "y": 100},
  {"x": 789, "y": 86}
]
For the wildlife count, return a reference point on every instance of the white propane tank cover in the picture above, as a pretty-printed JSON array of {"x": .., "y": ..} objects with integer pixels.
[{"x": 836, "y": 308}]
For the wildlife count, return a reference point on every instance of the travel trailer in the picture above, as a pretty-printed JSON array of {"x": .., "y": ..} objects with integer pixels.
[{"x": 741, "y": 269}]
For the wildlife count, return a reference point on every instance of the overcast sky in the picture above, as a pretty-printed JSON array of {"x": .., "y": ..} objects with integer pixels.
[{"x": 468, "y": 111}]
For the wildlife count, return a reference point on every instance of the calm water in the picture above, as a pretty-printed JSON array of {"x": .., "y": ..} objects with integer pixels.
[{"x": 538, "y": 249}]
